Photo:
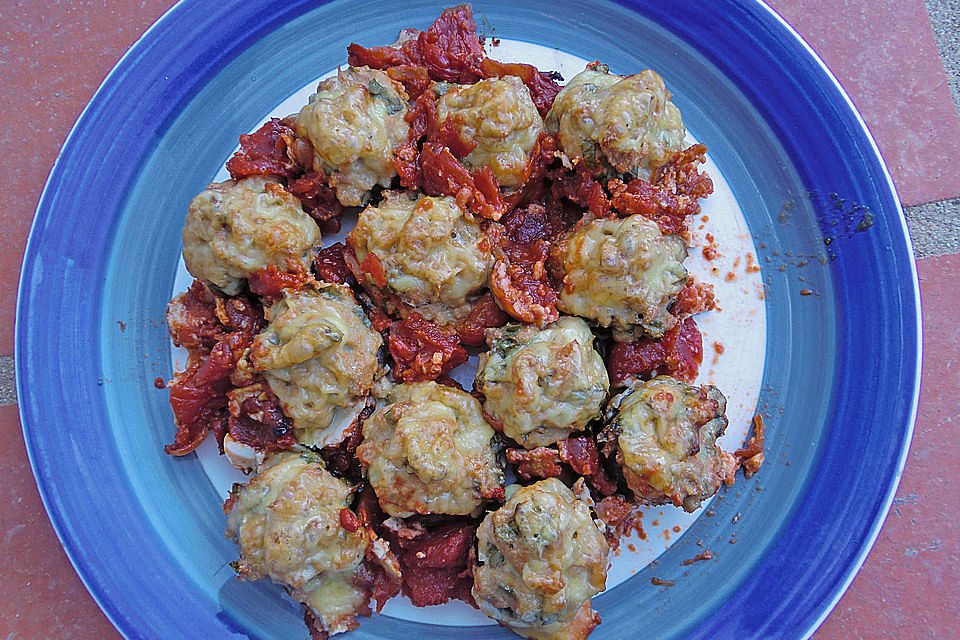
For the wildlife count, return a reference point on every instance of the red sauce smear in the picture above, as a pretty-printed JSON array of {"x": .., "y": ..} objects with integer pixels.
[
  {"x": 341, "y": 458},
  {"x": 669, "y": 198},
  {"x": 542, "y": 462},
  {"x": 751, "y": 457},
  {"x": 436, "y": 568},
  {"x": 621, "y": 517},
  {"x": 520, "y": 283},
  {"x": 695, "y": 297},
  {"x": 678, "y": 353},
  {"x": 275, "y": 149},
  {"x": 330, "y": 266},
  {"x": 450, "y": 50},
  {"x": 216, "y": 331},
  {"x": 257, "y": 420},
  {"x": 422, "y": 350},
  {"x": 543, "y": 85},
  {"x": 269, "y": 282},
  {"x": 484, "y": 314},
  {"x": 348, "y": 520},
  {"x": 319, "y": 199}
]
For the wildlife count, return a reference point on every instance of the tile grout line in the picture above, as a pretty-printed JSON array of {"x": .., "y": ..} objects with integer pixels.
[
  {"x": 934, "y": 227},
  {"x": 8, "y": 381},
  {"x": 945, "y": 19}
]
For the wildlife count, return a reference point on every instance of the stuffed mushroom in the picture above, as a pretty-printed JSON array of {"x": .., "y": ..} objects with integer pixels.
[
  {"x": 424, "y": 254},
  {"x": 287, "y": 522},
  {"x": 623, "y": 274},
  {"x": 540, "y": 385},
  {"x": 236, "y": 228},
  {"x": 429, "y": 450},
  {"x": 354, "y": 121},
  {"x": 540, "y": 558},
  {"x": 320, "y": 357},
  {"x": 498, "y": 117},
  {"x": 624, "y": 122},
  {"x": 664, "y": 433}
]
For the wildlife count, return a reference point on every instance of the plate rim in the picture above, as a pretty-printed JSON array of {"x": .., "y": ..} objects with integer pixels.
[
  {"x": 907, "y": 439},
  {"x": 56, "y": 518}
]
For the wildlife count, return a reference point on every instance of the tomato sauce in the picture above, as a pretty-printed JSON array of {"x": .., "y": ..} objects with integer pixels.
[{"x": 678, "y": 353}]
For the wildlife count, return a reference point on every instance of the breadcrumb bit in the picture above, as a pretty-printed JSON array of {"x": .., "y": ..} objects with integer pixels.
[{"x": 706, "y": 555}]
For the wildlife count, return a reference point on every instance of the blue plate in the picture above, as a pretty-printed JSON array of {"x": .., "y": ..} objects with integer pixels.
[{"x": 842, "y": 367}]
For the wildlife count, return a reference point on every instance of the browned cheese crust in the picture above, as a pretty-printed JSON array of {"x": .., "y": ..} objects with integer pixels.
[
  {"x": 665, "y": 432},
  {"x": 430, "y": 450},
  {"x": 540, "y": 558},
  {"x": 540, "y": 385},
  {"x": 433, "y": 256},
  {"x": 319, "y": 355},
  {"x": 625, "y": 122}
]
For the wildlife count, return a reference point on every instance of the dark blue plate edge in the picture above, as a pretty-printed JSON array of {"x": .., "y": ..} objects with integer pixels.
[
  {"x": 841, "y": 579},
  {"x": 56, "y": 518},
  {"x": 20, "y": 333},
  {"x": 843, "y": 583}
]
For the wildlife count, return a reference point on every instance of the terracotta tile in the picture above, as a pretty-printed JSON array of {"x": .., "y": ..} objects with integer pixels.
[
  {"x": 909, "y": 586},
  {"x": 53, "y": 56},
  {"x": 885, "y": 56},
  {"x": 43, "y": 597}
]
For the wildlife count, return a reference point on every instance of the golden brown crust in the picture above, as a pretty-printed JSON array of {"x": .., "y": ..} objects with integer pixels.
[
  {"x": 577, "y": 628},
  {"x": 287, "y": 522},
  {"x": 234, "y": 229},
  {"x": 628, "y": 122},
  {"x": 498, "y": 115},
  {"x": 429, "y": 450},
  {"x": 433, "y": 255},
  {"x": 622, "y": 273}
]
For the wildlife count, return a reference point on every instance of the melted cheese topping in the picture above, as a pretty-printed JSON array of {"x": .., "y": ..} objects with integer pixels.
[
  {"x": 541, "y": 385},
  {"x": 628, "y": 121},
  {"x": 666, "y": 432},
  {"x": 355, "y": 120},
  {"x": 429, "y": 450},
  {"x": 433, "y": 254},
  {"x": 540, "y": 558},
  {"x": 622, "y": 273},
  {"x": 287, "y": 524},
  {"x": 319, "y": 355},
  {"x": 236, "y": 228}
]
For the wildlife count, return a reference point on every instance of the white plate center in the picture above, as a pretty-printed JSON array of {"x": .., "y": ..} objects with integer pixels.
[{"x": 740, "y": 327}]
